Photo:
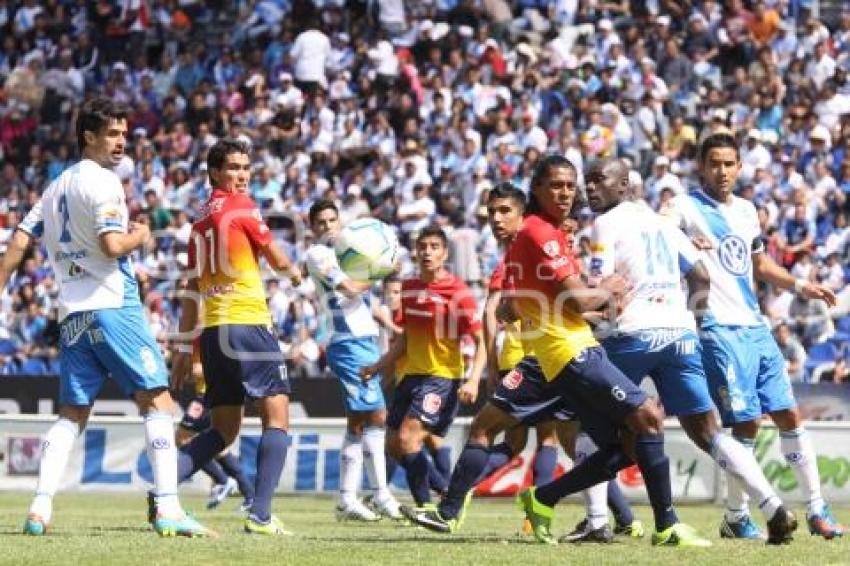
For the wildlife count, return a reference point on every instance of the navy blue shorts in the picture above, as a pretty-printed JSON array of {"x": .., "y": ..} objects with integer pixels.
[
  {"x": 196, "y": 417},
  {"x": 431, "y": 400},
  {"x": 524, "y": 394},
  {"x": 241, "y": 360},
  {"x": 601, "y": 395}
]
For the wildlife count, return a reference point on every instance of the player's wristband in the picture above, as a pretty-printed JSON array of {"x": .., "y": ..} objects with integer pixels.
[
  {"x": 183, "y": 348},
  {"x": 799, "y": 285}
]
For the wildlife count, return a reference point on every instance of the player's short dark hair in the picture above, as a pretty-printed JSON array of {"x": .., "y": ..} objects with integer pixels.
[
  {"x": 506, "y": 189},
  {"x": 714, "y": 141},
  {"x": 319, "y": 206},
  {"x": 95, "y": 114},
  {"x": 541, "y": 173},
  {"x": 431, "y": 231},
  {"x": 218, "y": 153}
]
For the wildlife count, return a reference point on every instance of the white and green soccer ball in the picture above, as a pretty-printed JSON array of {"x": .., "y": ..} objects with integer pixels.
[{"x": 367, "y": 249}]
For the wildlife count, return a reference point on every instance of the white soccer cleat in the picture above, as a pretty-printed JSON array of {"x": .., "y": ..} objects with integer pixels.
[
  {"x": 355, "y": 511},
  {"x": 388, "y": 507},
  {"x": 220, "y": 492}
]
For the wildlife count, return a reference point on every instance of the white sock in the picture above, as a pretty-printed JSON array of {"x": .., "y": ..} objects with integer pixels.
[
  {"x": 374, "y": 443},
  {"x": 740, "y": 463},
  {"x": 799, "y": 453},
  {"x": 162, "y": 454},
  {"x": 350, "y": 468},
  {"x": 737, "y": 499},
  {"x": 596, "y": 505},
  {"x": 55, "y": 450}
]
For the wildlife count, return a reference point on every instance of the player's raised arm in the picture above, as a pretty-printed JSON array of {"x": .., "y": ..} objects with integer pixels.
[
  {"x": 15, "y": 251},
  {"x": 767, "y": 270}
]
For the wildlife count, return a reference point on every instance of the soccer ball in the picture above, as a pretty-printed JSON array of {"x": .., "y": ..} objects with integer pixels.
[{"x": 367, "y": 249}]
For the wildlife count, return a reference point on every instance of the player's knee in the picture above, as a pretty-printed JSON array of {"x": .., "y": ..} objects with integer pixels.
[{"x": 647, "y": 419}]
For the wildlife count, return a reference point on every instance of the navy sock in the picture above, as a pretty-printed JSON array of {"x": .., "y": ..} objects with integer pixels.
[
  {"x": 214, "y": 470},
  {"x": 416, "y": 467},
  {"x": 468, "y": 469},
  {"x": 598, "y": 467},
  {"x": 436, "y": 480},
  {"x": 392, "y": 465},
  {"x": 231, "y": 465},
  {"x": 443, "y": 461},
  {"x": 498, "y": 455},
  {"x": 271, "y": 456},
  {"x": 198, "y": 452},
  {"x": 619, "y": 505},
  {"x": 655, "y": 469},
  {"x": 544, "y": 464}
]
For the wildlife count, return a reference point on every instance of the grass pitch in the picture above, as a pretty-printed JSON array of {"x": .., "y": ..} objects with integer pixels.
[{"x": 111, "y": 529}]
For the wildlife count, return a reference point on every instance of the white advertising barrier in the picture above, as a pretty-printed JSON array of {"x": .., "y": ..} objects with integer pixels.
[{"x": 110, "y": 455}]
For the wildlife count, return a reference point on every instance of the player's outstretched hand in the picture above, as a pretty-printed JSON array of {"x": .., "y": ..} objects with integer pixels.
[
  {"x": 142, "y": 230},
  {"x": 815, "y": 291},
  {"x": 181, "y": 370},
  {"x": 468, "y": 392},
  {"x": 615, "y": 284}
]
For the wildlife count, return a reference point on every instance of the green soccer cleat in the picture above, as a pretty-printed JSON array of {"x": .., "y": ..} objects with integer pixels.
[
  {"x": 430, "y": 519},
  {"x": 185, "y": 526},
  {"x": 680, "y": 534},
  {"x": 35, "y": 525},
  {"x": 461, "y": 517},
  {"x": 274, "y": 527},
  {"x": 539, "y": 515},
  {"x": 632, "y": 530}
]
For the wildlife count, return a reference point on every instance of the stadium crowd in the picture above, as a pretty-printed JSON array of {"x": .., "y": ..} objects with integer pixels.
[{"x": 410, "y": 112}]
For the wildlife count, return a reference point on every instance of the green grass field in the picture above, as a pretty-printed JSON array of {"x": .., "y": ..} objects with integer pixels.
[{"x": 110, "y": 529}]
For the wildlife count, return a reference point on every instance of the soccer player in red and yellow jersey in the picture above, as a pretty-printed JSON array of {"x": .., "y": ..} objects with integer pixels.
[
  {"x": 550, "y": 298},
  {"x": 437, "y": 309},
  {"x": 239, "y": 354}
]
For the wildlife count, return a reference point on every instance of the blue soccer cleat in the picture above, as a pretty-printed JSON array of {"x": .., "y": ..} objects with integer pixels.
[
  {"x": 35, "y": 525},
  {"x": 185, "y": 526},
  {"x": 744, "y": 528}
]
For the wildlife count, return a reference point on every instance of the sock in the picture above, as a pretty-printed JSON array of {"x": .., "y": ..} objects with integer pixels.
[
  {"x": 655, "y": 469},
  {"x": 162, "y": 454},
  {"x": 416, "y": 467},
  {"x": 740, "y": 463},
  {"x": 350, "y": 468},
  {"x": 472, "y": 460},
  {"x": 436, "y": 480},
  {"x": 199, "y": 451},
  {"x": 392, "y": 466},
  {"x": 55, "y": 450},
  {"x": 214, "y": 470},
  {"x": 737, "y": 499},
  {"x": 544, "y": 464},
  {"x": 596, "y": 505},
  {"x": 799, "y": 453},
  {"x": 443, "y": 461},
  {"x": 619, "y": 505},
  {"x": 599, "y": 467},
  {"x": 233, "y": 468},
  {"x": 374, "y": 441},
  {"x": 271, "y": 456},
  {"x": 498, "y": 455}
]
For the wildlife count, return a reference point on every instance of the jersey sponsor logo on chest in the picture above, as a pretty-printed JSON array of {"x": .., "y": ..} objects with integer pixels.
[{"x": 734, "y": 255}]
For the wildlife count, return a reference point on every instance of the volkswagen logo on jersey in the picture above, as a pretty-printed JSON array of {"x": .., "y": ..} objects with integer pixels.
[{"x": 734, "y": 255}]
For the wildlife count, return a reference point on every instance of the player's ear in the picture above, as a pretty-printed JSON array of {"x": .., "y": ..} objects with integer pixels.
[{"x": 90, "y": 137}]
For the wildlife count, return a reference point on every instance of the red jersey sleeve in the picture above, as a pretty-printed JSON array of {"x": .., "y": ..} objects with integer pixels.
[
  {"x": 468, "y": 321},
  {"x": 497, "y": 279},
  {"x": 543, "y": 250},
  {"x": 252, "y": 223}
]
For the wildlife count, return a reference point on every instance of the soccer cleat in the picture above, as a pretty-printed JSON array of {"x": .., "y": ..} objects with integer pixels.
[
  {"x": 387, "y": 507},
  {"x": 582, "y": 533},
  {"x": 355, "y": 511},
  {"x": 430, "y": 519},
  {"x": 461, "y": 517},
  {"x": 246, "y": 505},
  {"x": 539, "y": 515},
  {"x": 744, "y": 528},
  {"x": 632, "y": 530},
  {"x": 220, "y": 492},
  {"x": 781, "y": 526},
  {"x": 273, "y": 527},
  {"x": 824, "y": 524},
  {"x": 184, "y": 526},
  {"x": 35, "y": 525},
  {"x": 679, "y": 534}
]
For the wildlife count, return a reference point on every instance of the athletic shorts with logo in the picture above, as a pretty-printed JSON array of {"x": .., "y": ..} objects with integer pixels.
[
  {"x": 345, "y": 359},
  {"x": 524, "y": 394},
  {"x": 431, "y": 400},
  {"x": 241, "y": 360},
  {"x": 107, "y": 342}
]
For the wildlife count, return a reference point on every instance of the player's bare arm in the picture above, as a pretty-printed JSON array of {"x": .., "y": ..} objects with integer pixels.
[
  {"x": 14, "y": 255},
  {"x": 397, "y": 349},
  {"x": 767, "y": 270},
  {"x": 280, "y": 262},
  {"x": 491, "y": 329},
  {"x": 119, "y": 244},
  {"x": 181, "y": 367},
  {"x": 468, "y": 392}
]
